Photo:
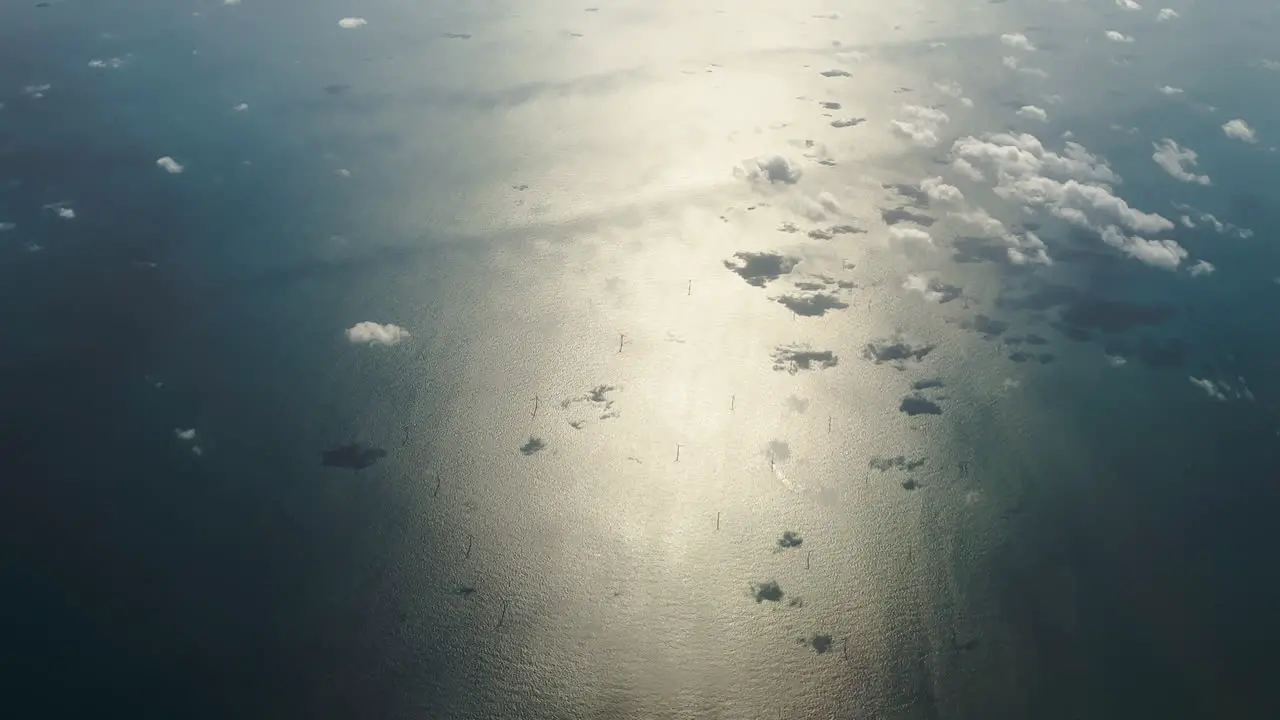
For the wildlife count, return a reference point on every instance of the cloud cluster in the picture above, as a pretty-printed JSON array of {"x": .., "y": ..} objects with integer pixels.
[
  {"x": 921, "y": 125},
  {"x": 1177, "y": 161},
  {"x": 372, "y": 333},
  {"x": 1074, "y": 185}
]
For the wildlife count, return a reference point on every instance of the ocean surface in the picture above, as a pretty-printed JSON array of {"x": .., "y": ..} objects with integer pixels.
[{"x": 641, "y": 359}]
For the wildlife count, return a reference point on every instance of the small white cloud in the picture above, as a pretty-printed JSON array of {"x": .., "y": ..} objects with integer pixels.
[
  {"x": 1033, "y": 113},
  {"x": 372, "y": 333},
  {"x": 933, "y": 290},
  {"x": 1115, "y": 36},
  {"x": 1176, "y": 160},
  {"x": 1170, "y": 90},
  {"x": 7, "y": 226},
  {"x": 770, "y": 170},
  {"x": 940, "y": 191},
  {"x": 1209, "y": 387},
  {"x": 241, "y": 107},
  {"x": 1128, "y": 5},
  {"x": 1166, "y": 15},
  {"x": 342, "y": 172},
  {"x": 1201, "y": 267},
  {"x": 36, "y": 91},
  {"x": 170, "y": 165},
  {"x": 351, "y": 23},
  {"x": 1239, "y": 130},
  {"x": 66, "y": 213},
  {"x": 1018, "y": 41},
  {"x": 1116, "y": 360},
  {"x": 101, "y": 64},
  {"x": 189, "y": 434}
]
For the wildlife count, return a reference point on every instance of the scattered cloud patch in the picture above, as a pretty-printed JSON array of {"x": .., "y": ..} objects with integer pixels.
[
  {"x": 1032, "y": 112},
  {"x": 1128, "y": 5},
  {"x": 1239, "y": 130},
  {"x": 351, "y": 23},
  {"x": 1170, "y": 90},
  {"x": 372, "y": 333},
  {"x": 1201, "y": 267},
  {"x": 1176, "y": 160},
  {"x": 921, "y": 125},
  {"x": 1167, "y": 14},
  {"x": 240, "y": 107},
  {"x": 1209, "y": 387},
  {"x": 187, "y": 434},
  {"x": 169, "y": 165},
  {"x": 1018, "y": 41},
  {"x": 109, "y": 63},
  {"x": 933, "y": 289},
  {"x": 1119, "y": 37},
  {"x": 1014, "y": 63}
]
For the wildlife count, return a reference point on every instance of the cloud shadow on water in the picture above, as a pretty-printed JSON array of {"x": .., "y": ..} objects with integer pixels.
[
  {"x": 760, "y": 268},
  {"x": 532, "y": 446},
  {"x": 794, "y": 358},
  {"x": 916, "y": 405},
  {"x": 351, "y": 456}
]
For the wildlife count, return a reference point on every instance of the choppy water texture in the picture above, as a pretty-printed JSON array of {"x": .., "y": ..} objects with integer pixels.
[{"x": 643, "y": 360}]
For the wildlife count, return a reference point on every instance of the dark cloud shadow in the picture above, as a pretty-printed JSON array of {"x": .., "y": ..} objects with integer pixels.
[
  {"x": 899, "y": 462},
  {"x": 794, "y": 358},
  {"x": 916, "y": 405},
  {"x": 847, "y": 122},
  {"x": 532, "y": 445},
  {"x": 812, "y": 304},
  {"x": 895, "y": 351},
  {"x": 985, "y": 326},
  {"x": 351, "y": 456},
  {"x": 790, "y": 540},
  {"x": 760, "y": 268},
  {"x": 893, "y": 216},
  {"x": 927, "y": 384},
  {"x": 769, "y": 590}
]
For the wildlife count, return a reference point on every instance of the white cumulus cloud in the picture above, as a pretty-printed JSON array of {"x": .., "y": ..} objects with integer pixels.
[
  {"x": 1033, "y": 112},
  {"x": 1166, "y": 15},
  {"x": 188, "y": 434},
  {"x": 1018, "y": 41},
  {"x": 922, "y": 124},
  {"x": 939, "y": 191},
  {"x": 1239, "y": 130},
  {"x": 372, "y": 333},
  {"x": 241, "y": 107},
  {"x": 910, "y": 235},
  {"x": 170, "y": 165},
  {"x": 1170, "y": 90},
  {"x": 1115, "y": 36},
  {"x": 1128, "y": 5},
  {"x": 350, "y": 23},
  {"x": 1177, "y": 161}
]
